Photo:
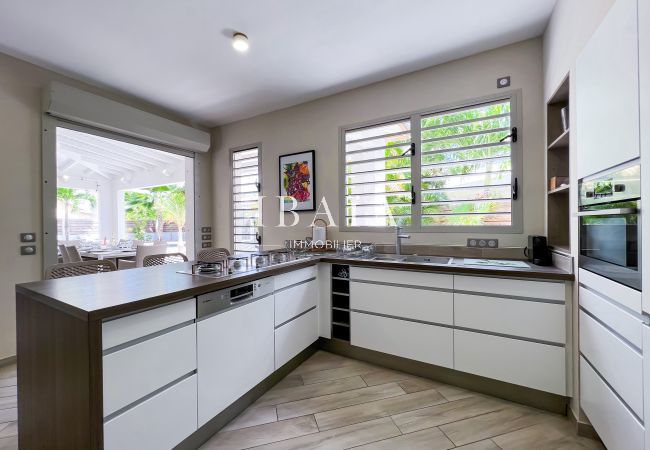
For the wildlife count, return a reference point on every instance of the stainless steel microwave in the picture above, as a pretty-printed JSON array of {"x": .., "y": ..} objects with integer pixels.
[{"x": 610, "y": 225}]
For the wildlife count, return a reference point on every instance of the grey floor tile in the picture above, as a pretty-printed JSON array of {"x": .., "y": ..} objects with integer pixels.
[
  {"x": 340, "y": 400},
  {"x": 285, "y": 395},
  {"x": 429, "y": 439},
  {"x": 341, "y": 438},
  {"x": 262, "y": 434},
  {"x": 253, "y": 416},
  {"x": 377, "y": 409},
  {"x": 556, "y": 434}
]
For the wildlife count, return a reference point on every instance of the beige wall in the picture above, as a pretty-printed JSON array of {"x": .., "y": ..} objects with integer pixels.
[
  {"x": 568, "y": 31},
  {"x": 20, "y": 179},
  {"x": 315, "y": 125}
]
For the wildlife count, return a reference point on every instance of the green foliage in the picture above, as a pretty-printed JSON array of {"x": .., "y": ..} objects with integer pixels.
[
  {"x": 71, "y": 200},
  {"x": 162, "y": 204}
]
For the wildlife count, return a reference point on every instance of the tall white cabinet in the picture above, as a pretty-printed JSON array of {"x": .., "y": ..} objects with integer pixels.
[{"x": 607, "y": 92}]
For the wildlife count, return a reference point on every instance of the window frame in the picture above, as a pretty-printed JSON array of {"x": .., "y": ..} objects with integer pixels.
[
  {"x": 260, "y": 229},
  {"x": 516, "y": 226}
]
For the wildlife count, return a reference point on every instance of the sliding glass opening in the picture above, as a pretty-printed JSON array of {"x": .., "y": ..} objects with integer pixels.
[{"x": 113, "y": 195}]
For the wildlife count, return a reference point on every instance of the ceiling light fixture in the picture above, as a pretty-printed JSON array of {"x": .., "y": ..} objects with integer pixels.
[{"x": 240, "y": 42}]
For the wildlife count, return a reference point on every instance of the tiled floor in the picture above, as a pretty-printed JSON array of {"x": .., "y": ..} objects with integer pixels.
[
  {"x": 8, "y": 408},
  {"x": 332, "y": 402}
]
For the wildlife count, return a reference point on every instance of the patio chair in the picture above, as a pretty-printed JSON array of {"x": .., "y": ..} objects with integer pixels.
[
  {"x": 211, "y": 255},
  {"x": 64, "y": 253},
  {"x": 73, "y": 254},
  {"x": 140, "y": 252},
  {"x": 162, "y": 259},
  {"x": 75, "y": 269}
]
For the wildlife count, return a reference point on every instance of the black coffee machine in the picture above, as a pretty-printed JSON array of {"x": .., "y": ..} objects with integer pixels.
[{"x": 537, "y": 251}]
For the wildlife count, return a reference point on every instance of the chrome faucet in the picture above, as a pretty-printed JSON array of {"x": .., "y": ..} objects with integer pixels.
[{"x": 398, "y": 240}]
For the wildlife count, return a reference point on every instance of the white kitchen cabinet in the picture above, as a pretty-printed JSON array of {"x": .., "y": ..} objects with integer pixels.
[
  {"x": 159, "y": 423},
  {"x": 624, "y": 323},
  {"x": 616, "y": 425},
  {"x": 644, "y": 109},
  {"x": 235, "y": 353},
  {"x": 422, "y": 342},
  {"x": 530, "y": 364},
  {"x": 646, "y": 381},
  {"x": 295, "y": 336},
  {"x": 607, "y": 92},
  {"x": 618, "y": 363},
  {"x": 295, "y": 300},
  {"x": 521, "y": 318},
  {"x": 419, "y": 304},
  {"x": 546, "y": 290},
  {"x": 295, "y": 276},
  {"x": 119, "y": 331},
  {"x": 132, "y": 373},
  {"x": 403, "y": 277},
  {"x": 626, "y": 296}
]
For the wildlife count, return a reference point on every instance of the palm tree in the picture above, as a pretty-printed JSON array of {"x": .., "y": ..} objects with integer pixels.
[
  {"x": 139, "y": 210},
  {"x": 71, "y": 200},
  {"x": 173, "y": 209}
]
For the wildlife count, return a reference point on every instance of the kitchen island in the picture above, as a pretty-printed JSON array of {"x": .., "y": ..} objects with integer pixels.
[{"x": 66, "y": 346}]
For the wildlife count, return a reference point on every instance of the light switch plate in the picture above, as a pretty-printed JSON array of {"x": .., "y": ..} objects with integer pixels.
[
  {"x": 27, "y": 250},
  {"x": 206, "y": 229},
  {"x": 27, "y": 237},
  {"x": 206, "y": 244},
  {"x": 483, "y": 242},
  {"x": 206, "y": 237}
]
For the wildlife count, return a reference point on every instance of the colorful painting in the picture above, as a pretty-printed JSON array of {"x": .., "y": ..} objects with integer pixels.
[{"x": 298, "y": 179}]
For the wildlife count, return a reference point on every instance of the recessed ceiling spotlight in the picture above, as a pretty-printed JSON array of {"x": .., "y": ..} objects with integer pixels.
[{"x": 240, "y": 42}]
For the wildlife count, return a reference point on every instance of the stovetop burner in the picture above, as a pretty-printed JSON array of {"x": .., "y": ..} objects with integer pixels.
[{"x": 242, "y": 264}]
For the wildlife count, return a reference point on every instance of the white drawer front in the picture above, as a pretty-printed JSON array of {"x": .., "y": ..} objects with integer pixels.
[
  {"x": 125, "y": 329},
  {"x": 614, "y": 423},
  {"x": 296, "y": 276},
  {"x": 621, "y": 321},
  {"x": 295, "y": 300},
  {"x": 419, "y": 304},
  {"x": 546, "y": 290},
  {"x": 617, "y": 362},
  {"x": 537, "y": 366},
  {"x": 159, "y": 423},
  {"x": 529, "y": 319},
  {"x": 136, "y": 371},
  {"x": 434, "y": 280},
  {"x": 295, "y": 336},
  {"x": 622, "y": 294},
  {"x": 412, "y": 340}
]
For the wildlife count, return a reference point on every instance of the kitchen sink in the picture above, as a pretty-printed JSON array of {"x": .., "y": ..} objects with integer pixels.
[
  {"x": 427, "y": 259},
  {"x": 389, "y": 258}
]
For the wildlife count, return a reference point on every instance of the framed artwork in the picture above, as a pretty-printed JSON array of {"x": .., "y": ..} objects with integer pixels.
[{"x": 298, "y": 179}]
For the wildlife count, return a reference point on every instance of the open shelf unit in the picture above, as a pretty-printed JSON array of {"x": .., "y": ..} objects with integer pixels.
[
  {"x": 557, "y": 165},
  {"x": 341, "y": 302}
]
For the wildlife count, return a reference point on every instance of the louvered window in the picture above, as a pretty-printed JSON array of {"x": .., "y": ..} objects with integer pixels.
[
  {"x": 378, "y": 189},
  {"x": 435, "y": 171},
  {"x": 466, "y": 171},
  {"x": 245, "y": 192}
]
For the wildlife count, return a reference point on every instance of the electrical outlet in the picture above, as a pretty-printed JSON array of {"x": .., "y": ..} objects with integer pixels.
[
  {"x": 483, "y": 242},
  {"x": 503, "y": 82}
]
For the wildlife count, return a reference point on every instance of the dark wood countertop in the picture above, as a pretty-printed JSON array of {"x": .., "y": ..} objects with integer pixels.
[
  {"x": 108, "y": 295},
  {"x": 534, "y": 272}
]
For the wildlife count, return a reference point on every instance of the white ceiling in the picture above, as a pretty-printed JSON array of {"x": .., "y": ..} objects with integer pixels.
[
  {"x": 111, "y": 159},
  {"x": 177, "y": 53}
]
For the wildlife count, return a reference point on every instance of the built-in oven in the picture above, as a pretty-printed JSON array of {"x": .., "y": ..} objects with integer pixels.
[{"x": 610, "y": 225}]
